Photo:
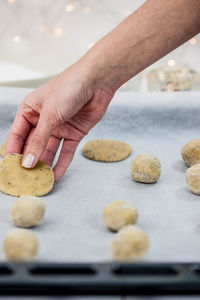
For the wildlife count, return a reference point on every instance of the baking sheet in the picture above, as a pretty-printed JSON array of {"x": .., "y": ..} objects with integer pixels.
[{"x": 72, "y": 229}]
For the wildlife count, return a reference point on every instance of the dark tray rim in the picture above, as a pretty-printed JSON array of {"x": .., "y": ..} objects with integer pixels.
[{"x": 42, "y": 278}]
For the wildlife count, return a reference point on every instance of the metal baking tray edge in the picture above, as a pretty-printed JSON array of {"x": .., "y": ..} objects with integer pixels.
[{"x": 99, "y": 279}]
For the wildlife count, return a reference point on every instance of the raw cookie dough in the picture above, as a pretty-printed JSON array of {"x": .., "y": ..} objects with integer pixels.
[
  {"x": 3, "y": 149},
  {"x": 191, "y": 152},
  {"x": 106, "y": 150},
  {"x": 17, "y": 181},
  {"x": 27, "y": 211},
  {"x": 130, "y": 244},
  {"x": 193, "y": 178},
  {"x": 145, "y": 168},
  {"x": 118, "y": 214},
  {"x": 20, "y": 245}
]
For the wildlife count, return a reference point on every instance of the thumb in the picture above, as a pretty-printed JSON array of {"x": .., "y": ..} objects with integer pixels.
[{"x": 38, "y": 141}]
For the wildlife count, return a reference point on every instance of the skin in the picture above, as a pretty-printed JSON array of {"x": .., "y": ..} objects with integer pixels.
[{"x": 69, "y": 105}]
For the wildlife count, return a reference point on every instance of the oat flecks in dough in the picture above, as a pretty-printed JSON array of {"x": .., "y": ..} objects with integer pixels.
[
  {"x": 191, "y": 152},
  {"x": 145, "y": 168},
  {"x": 130, "y": 244},
  {"x": 27, "y": 211},
  {"x": 118, "y": 214},
  {"x": 193, "y": 178},
  {"x": 3, "y": 149},
  {"x": 17, "y": 181},
  {"x": 20, "y": 245},
  {"x": 106, "y": 150}
]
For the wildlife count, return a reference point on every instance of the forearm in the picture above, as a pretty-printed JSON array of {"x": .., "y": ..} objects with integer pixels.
[{"x": 148, "y": 34}]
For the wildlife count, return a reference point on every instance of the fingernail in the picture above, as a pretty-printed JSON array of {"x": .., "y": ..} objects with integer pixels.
[{"x": 28, "y": 161}]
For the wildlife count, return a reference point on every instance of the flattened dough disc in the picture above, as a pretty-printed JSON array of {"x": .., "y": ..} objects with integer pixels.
[
  {"x": 106, "y": 150},
  {"x": 17, "y": 181}
]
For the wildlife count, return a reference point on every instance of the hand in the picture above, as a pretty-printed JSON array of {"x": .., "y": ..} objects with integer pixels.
[{"x": 66, "y": 107}]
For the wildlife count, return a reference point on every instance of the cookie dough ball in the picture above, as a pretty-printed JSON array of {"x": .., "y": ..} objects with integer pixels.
[
  {"x": 106, "y": 150},
  {"x": 191, "y": 152},
  {"x": 193, "y": 178},
  {"x": 20, "y": 245},
  {"x": 130, "y": 244},
  {"x": 118, "y": 214},
  {"x": 3, "y": 149},
  {"x": 27, "y": 211},
  {"x": 145, "y": 168},
  {"x": 17, "y": 181}
]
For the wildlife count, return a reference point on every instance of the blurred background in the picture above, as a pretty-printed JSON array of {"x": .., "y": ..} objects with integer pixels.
[{"x": 40, "y": 38}]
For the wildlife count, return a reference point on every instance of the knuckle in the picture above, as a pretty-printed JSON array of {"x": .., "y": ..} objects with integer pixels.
[
  {"x": 61, "y": 168},
  {"x": 49, "y": 113},
  {"x": 53, "y": 122},
  {"x": 37, "y": 140},
  {"x": 24, "y": 109},
  {"x": 18, "y": 137},
  {"x": 49, "y": 153},
  {"x": 26, "y": 102}
]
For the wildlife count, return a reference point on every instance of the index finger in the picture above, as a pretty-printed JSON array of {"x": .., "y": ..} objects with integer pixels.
[{"x": 18, "y": 134}]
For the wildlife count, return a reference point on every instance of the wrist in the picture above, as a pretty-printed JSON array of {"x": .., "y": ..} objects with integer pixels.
[{"x": 100, "y": 75}]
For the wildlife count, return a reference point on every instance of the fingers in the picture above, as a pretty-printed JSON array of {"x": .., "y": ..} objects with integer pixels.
[
  {"x": 26, "y": 117},
  {"x": 17, "y": 135},
  {"x": 65, "y": 158},
  {"x": 50, "y": 150},
  {"x": 38, "y": 140},
  {"x": 28, "y": 139}
]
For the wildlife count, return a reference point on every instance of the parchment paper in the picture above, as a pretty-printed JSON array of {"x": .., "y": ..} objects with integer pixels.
[{"x": 72, "y": 229}]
